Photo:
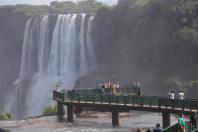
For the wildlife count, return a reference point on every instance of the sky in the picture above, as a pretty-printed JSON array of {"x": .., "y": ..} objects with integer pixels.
[{"x": 41, "y": 2}]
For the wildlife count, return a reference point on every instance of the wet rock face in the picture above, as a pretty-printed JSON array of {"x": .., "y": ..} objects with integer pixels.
[
  {"x": 12, "y": 26},
  {"x": 11, "y": 40}
]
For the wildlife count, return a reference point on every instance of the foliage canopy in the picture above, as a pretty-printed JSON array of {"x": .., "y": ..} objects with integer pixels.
[{"x": 62, "y": 7}]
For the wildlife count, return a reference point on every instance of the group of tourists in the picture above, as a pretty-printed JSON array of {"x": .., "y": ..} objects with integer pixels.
[
  {"x": 111, "y": 86},
  {"x": 181, "y": 124},
  {"x": 114, "y": 87},
  {"x": 180, "y": 96}
]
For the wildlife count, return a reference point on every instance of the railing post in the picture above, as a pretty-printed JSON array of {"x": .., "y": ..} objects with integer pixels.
[
  {"x": 165, "y": 119},
  {"x": 150, "y": 101},
  {"x": 133, "y": 100},
  {"x": 70, "y": 113},
  {"x": 94, "y": 99},
  {"x": 125, "y": 100},
  {"x": 115, "y": 117},
  {"x": 172, "y": 103},
  {"x": 60, "y": 111},
  {"x": 109, "y": 99},
  {"x": 160, "y": 101},
  {"x": 117, "y": 99},
  {"x": 101, "y": 98}
]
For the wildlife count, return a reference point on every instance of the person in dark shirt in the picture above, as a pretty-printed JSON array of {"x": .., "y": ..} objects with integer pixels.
[
  {"x": 193, "y": 122},
  {"x": 139, "y": 93},
  {"x": 158, "y": 128}
]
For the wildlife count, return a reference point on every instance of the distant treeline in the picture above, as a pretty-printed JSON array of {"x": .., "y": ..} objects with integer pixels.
[{"x": 63, "y": 7}]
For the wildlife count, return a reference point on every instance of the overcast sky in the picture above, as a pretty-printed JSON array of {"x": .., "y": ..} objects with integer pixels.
[{"x": 13, "y": 2}]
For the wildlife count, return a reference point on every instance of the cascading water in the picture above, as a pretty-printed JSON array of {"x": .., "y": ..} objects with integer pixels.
[{"x": 44, "y": 64}]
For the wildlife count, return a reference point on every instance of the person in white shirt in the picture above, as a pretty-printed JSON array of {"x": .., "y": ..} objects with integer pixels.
[
  {"x": 171, "y": 95},
  {"x": 181, "y": 95},
  {"x": 58, "y": 88}
]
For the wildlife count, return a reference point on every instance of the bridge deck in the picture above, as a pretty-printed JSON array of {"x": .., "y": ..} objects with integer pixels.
[{"x": 128, "y": 102}]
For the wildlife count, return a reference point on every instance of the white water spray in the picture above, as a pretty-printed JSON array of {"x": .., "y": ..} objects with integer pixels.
[{"x": 68, "y": 57}]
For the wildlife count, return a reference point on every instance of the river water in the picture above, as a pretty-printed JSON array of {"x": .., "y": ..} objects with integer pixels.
[{"x": 87, "y": 122}]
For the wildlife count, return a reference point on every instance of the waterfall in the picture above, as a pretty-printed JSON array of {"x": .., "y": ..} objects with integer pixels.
[{"x": 46, "y": 61}]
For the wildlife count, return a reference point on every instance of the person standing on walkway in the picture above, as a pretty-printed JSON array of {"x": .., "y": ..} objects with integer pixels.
[
  {"x": 181, "y": 95},
  {"x": 171, "y": 95},
  {"x": 181, "y": 123},
  {"x": 138, "y": 92},
  {"x": 193, "y": 121},
  {"x": 157, "y": 128},
  {"x": 57, "y": 88}
]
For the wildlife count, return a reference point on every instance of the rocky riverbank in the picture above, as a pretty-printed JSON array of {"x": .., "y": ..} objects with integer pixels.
[{"x": 86, "y": 122}]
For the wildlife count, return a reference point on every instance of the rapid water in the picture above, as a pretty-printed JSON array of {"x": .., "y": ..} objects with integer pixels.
[
  {"x": 94, "y": 122},
  {"x": 46, "y": 62}
]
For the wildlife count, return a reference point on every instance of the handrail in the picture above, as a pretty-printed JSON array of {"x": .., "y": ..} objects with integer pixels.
[
  {"x": 124, "y": 98},
  {"x": 128, "y": 99},
  {"x": 196, "y": 130},
  {"x": 121, "y": 89},
  {"x": 172, "y": 128}
]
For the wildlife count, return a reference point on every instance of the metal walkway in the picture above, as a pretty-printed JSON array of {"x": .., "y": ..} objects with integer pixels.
[{"x": 125, "y": 99}]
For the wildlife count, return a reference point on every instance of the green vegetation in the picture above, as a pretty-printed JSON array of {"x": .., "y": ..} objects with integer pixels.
[
  {"x": 188, "y": 34},
  {"x": 140, "y": 3},
  {"x": 155, "y": 41},
  {"x": 186, "y": 14},
  {"x": 62, "y": 7},
  {"x": 6, "y": 116},
  {"x": 33, "y": 9},
  {"x": 158, "y": 40},
  {"x": 50, "y": 110}
]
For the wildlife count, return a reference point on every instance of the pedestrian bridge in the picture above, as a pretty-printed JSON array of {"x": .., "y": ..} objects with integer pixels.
[{"x": 124, "y": 100}]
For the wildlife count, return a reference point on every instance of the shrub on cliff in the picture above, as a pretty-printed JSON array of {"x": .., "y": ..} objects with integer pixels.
[
  {"x": 50, "y": 110},
  {"x": 6, "y": 116},
  {"x": 188, "y": 34}
]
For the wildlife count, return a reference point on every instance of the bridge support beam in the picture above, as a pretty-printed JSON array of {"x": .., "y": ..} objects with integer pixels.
[
  {"x": 70, "y": 113},
  {"x": 60, "y": 111},
  {"x": 165, "y": 119},
  {"x": 115, "y": 117}
]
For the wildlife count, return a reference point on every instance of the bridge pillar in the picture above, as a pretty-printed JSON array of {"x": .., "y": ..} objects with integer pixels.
[
  {"x": 115, "y": 117},
  {"x": 70, "y": 113},
  {"x": 165, "y": 119},
  {"x": 60, "y": 111},
  {"x": 60, "y": 108},
  {"x": 78, "y": 109}
]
